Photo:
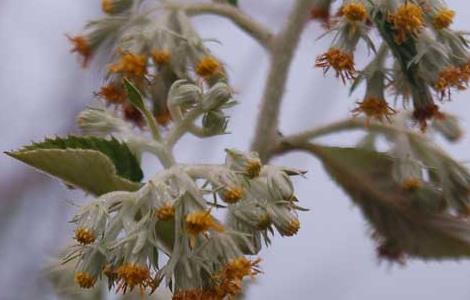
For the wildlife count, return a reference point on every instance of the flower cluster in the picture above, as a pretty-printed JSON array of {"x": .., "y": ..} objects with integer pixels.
[
  {"x": 121, "y": 234},
  {"x": 152, "y": 56},
  {"x": 429, "y": 59}
]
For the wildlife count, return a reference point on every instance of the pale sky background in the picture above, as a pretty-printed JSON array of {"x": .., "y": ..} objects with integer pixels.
[{"x": 43, "y": 87}]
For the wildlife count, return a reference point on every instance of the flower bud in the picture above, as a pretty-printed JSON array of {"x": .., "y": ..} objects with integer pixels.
[
  {"x": 113, "y": 7},
  {"x": 408, "y": 173},
  {"x": 448, "y": 127},
  {"x": 184, "y": 93},
  {"x": 96, "y": 121},
  {"x": 218, "y": 95},
  {"x": 215, "y": 122},
  {"x": 248, "y": 164},
  {"x": 279, "y": 183},
  {"x": 286, "y": 223}
]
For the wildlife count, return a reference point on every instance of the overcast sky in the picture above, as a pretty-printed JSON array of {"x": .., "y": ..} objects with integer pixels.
[{"x": 43, "y": 87}]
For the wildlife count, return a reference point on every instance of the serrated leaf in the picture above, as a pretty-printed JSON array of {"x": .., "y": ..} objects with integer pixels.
[
  {"x": 134, "y": 95},
  {"x": 367, "y": 177},
  {"x": 93, "y": 164}
]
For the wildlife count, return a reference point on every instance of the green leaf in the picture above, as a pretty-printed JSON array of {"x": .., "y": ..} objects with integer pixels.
[
  {"x": 134, "y": 95},
  {"x": 395, "y": 214},
  {"x": 95, "y": 165},
  {"x": 233, "y": 2}
]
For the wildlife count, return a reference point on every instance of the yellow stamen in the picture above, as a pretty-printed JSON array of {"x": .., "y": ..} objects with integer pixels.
[
  {"x": 196, "y": 294},
  {"x": 132, "y": 275},
  {"x": 354, "y": 12},
  {"x": 443, "y": 18},
  {"x": 85, "y": 280},
  {"x": 165, "y": 212},
  {"x": 84, "y": 236},
  {"x": 407, "y": 20},
  {"x": 374, "y": 108},
  {"x": 81, "y": 45},
  {"x": 451, "y": 77},
  {"x": 229, "y": 279},
  {"x": 208, "y": 66},
  {"x": 161, "y": 57},
  {"x": 232, "y": 194},
  {"x": 201, "y": 221},
  {"x": 130, "y": 64},
  {"x": 292, "y": 228},
  {"x": 340, "y": 61}
]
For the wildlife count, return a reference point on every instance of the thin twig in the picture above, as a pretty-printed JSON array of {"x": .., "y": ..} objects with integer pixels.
[
  {"x": 283, "y": 48},
  {"x": 291, "y": 142},
  {"x": 258, "y": 31}
]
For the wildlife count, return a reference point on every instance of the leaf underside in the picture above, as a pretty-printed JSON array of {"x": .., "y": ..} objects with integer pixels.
[{"x": 367, "y": 177}]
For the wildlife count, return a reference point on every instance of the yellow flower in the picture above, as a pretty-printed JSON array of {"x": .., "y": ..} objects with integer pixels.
[
  {"x": 132, "y": 275},
  {"x": 201, "y": 221},
  {"x": 240, "y": 267},
  {"x": 165, "y": 212},
  {"x": 130, "y": 64},
  {"x": 161, "y": 57},
  {"x": 374, "y": 108},
  {"x": 407, "y": 20},
  {"x": 354, "y": 12},
  {"x": 232, "y": 194},
  {"x": 84, "y": 236},
  {"x": 208, "y": 66},
  {"x": 443, "y": 18},
  {"x": 85, "y": 280},
  {"x": 229, "y": 279},
  {"x": 340, "y": 61},
  {"x": 82, "y": 46},
  {"x": 451, "y": 77}
]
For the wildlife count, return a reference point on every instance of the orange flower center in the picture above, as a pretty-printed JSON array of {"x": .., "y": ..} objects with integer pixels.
[
  {"x": 201, "y": 221},
  {"x": 232, "y": 194},
  {"x": 407, "y": 20},
  {"x": 443, "y": 18},
  {"x": 85, "y": 280},
  {"x": 340, "y": 61},
  {"x": 84, "y": 236},
  {"x": 208, "y": 66},
  {"x": 354, "y": 12},
  {"x": 374, "y": 108},
  {"x": 130, "y": 64},
  {"x": 165, "y": 212}
]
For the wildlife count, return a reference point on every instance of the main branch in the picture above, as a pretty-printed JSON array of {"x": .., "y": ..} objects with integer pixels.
[{"x": 284, "y": 46}]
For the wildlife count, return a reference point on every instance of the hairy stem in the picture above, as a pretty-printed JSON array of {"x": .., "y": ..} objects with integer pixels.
[
  {"x": 283, "y": 48},
  {"x": 292, "y": 142},
  {"x": 258, "y": 31}
]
